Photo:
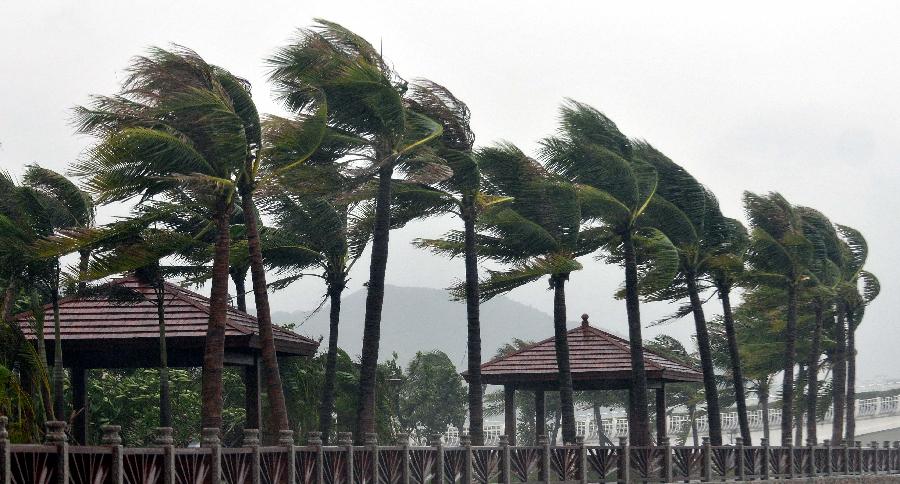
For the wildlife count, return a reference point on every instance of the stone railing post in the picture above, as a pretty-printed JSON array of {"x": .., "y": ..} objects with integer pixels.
[
  {"x": 438, "y": 459},
  {"x": 895, "y": 462},
  {"x": 165, "y": 440},
  {"x": 707, "y": 460},
  {"x": 827, "y": 469},
  {"x": 811, "y": 445},
  {"x": 666, "y": 446},
  {"x": 764, "y": 458},
  {"x": 56, "y": 436},
  {"x": 624, "y": 461},
  {"x": 210, "y": 439},
  {"x": 738, "y": 459},
  {"x": 465, "y": 441},
  {"x": 286, "y": 440},
  {"x": 544, "y": 444},
  {"x": 112, "y": 439},
  {"x": 505, "y": 477},
  {"x": 845, "y": 469},
  {"x": 789, "y": 462},
  {"x": 371, "y": 442},
  {"x": 345, "y": 439},
  {"x": 314, "y": 439},
  {"x": 581, "y": 467},
  {"x": 886, "y": 445},
  {"x": 5, "y": 457},
  {"x": 861, "y": 454},
  {"x": 251, "y": 439},
  {"x": 404, "y": 451}
]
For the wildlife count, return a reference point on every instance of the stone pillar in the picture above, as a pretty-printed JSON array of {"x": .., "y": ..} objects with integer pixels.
[
  {"x": 56, "y": 436},
  {"x": 81, "y": 406},
  {"x": 315, "y": 440},
  {"x": 165, "y": 440},
  {"x": 251, "y": 395},
  {"x": 540, "y": 414},
  {"x": 661, "y": 431},
  {"x": 251, "y": 439},
  {"x": 505, "y": 466},
  {"x": 509, "y": 412},
  {"x": 5, "y": 466},
  {"x": 286, "y": 440},
  {"x": 209, "y": 438},
  {"x": 439, "y": 458},
  {"x": 114, "y": 441}
]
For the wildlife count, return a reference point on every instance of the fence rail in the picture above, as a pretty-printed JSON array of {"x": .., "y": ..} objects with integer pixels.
[{"x": 56, "y": 462}]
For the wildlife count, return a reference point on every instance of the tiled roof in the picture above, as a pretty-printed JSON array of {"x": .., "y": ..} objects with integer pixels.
[
  {"x": 84, "y": 319},
  {"x": 593, "y": 354}
]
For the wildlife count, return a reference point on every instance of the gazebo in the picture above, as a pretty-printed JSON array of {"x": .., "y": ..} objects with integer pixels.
[
  {"x": 599, "y": 361},
  {"x": 100, "y": 333}
]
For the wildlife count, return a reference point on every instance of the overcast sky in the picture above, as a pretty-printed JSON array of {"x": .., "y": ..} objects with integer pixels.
[{"x": 798, "y": 97}]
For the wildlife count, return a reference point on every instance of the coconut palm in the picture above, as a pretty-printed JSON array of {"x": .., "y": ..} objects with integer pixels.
[
  {"x": 590, "y": 151},
  {"x": 366, "y": 103},
  {"x": 175, "y": 130},
  {"x": 64, "y": 206},
  {"x": 780, "y": 256},
  {"x": 858, "y": 289}
]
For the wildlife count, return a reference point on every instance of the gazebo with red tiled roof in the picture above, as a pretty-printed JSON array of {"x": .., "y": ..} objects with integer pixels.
[
  {"x": 599, "y": 361},
  {"x": 100, "y": 333}
]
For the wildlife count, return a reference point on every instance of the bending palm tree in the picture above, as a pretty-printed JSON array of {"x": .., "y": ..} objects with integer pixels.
[
  {"x": 780, "y": 256},
  {"x": 366, "y": 103},
  {"x": 591, "y": 151},
  {"x": 174, "y": 130}
]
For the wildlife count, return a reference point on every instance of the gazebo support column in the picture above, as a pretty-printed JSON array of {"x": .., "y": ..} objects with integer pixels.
[
  {"x": 660, "y": 414},
  {"x": 81, "y": 405},
  {"x": 509, "y": 412},
  {"x": 540, "y": 414},
  {"x": 251, "y": 395}
]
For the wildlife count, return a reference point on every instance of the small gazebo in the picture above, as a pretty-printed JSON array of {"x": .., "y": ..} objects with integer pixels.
[
  {"x": 599, "y": 361},
  {"x": 100, "y": 333}
]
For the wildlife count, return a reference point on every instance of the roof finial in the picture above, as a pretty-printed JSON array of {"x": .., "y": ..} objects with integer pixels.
[{"x": 584, "y": 319}]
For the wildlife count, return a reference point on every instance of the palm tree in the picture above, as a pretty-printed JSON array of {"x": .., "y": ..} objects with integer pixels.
[
  {"x": 366, "y": 104},
  {"x": 825, "y": 269},
  {"x": 64, "y": 206},
  {"x": 780, "y": 256},
  {"x": 590, "y": 151},
  {"x": 539, "y": 233},
  {"x": 462, "y": 193},
  {"x": 858, "y": 289},
  {"x": 175, "y": 131}
]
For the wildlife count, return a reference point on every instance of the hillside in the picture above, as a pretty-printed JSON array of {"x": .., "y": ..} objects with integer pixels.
[{"x": 417, "y": 318}]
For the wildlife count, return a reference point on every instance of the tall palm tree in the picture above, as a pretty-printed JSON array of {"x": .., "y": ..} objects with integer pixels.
[
  {"x": 175, "y": 131},
  {"x": 825, "y": 270},
  {"x": 591, "y": 151},
  {"x": 366, "y": 103},
  {"x": 780, "y": 256},
  {"x": 539, "y": 233},
  {"x": 858, "y": 289},
  {"x": 462, "y": 192},
  {"x": 66, "y": 207}
]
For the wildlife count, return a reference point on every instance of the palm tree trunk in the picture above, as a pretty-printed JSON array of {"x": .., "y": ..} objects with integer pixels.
[
  {"x": 84, "y": 260},
  {"x": 325, "y": 421},
  {"x": 602, "y": 439},
  {"x": 566, "y": 400},
  {"x": 713, "y": 413},
  {"x": 9, "y": 300},
  {"x": 272, "y": 376},
  {"x": 41, "y": 347},
  {"x": 59, "y": 397},
  {"x": 790, "y": 357},
  {"x": 239, "y": 277},
  {"x": 473, "y": 317},
  {"x": 165, "y": 398},
  {"x": 813, "y": 375},
  {"x": 692, "y": 416},
  {"x": 214, "y": 353},
  {"x": 638, "y": 415},
  {"x": 763, "y": 394},
  {"x": 554, "y": 429},
  {"x": 851, "y": 377},
  {"x": 737, "y": 371},
  {"x": 374, "y": 300},
  {"x": 798, "y": 421},
  {"x": 839, "y": 377}
]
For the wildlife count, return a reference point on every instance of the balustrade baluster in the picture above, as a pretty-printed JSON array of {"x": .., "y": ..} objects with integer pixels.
[
  {"x": 371, "y": 442},
  {"x": 738, "y": 459},
  {"x": 164, "y": 440},
  {"x": 827, "y": 467},
  {"x": 439, "y": 459},
  {"x": 544, "y": 444},
  {"x": 251, "y": 439},
  {"x": 286, "y": 440},
  {"x": 112, "y": 439},
  {"x": 346, "y": 439},
  {"x": 667, "y": 471},
  {"x": 404, "y": 449},
  {"x": 210, "y": 440},
  {"x": 624, "y": 461},
  {"x": 581, "y": 466},
  {"x": 764, "y": 458},
  {"x": 465, "y": 441},
  {"x": 5, "y": 455},
  {"x": 314, "y": 439},
  {"x": 707, "y": 460}
]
